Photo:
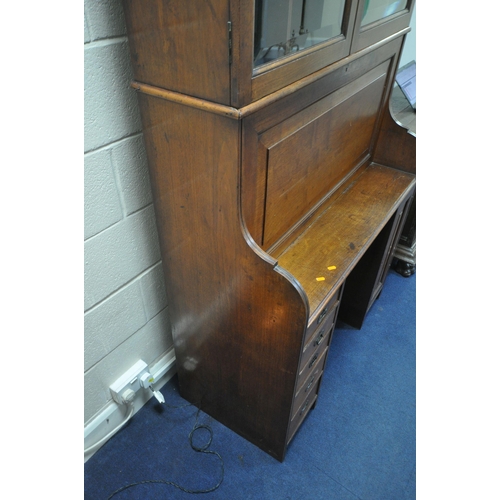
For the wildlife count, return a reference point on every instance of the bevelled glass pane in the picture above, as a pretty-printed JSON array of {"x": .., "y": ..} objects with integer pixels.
[
  {"x": 378, "y": 9},
  {"x": 283, "y": 27}
]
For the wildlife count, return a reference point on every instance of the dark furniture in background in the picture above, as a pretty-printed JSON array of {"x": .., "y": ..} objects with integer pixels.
[
  {"x": 405, "y": 256},
  {"x": 281, "y": 184}
]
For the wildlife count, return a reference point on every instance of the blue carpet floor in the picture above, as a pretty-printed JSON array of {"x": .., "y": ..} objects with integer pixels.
[{"x": 357, "y": 444}]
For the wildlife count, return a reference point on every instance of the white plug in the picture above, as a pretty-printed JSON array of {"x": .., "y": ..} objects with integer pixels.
[
  {"x": 128, "y": 396},
  {"x": 129, "y": 384},
  {"x": 146, "y": 379},
  {"x": 130, "y": 380}
]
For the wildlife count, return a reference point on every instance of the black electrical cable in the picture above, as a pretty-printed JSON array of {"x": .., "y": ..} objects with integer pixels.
[{"x": 199, "y": 449}]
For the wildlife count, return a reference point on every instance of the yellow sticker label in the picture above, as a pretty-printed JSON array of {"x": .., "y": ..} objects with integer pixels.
[
  {"x": 321, "y": 278},
  {"x": 331, "y": 268}
]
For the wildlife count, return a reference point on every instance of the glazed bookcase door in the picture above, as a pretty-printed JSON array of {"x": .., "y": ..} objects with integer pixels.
[
  {"x": 379, "y": 19},
  {"x": 286, "y": 27},
  {"x": 281, "y": 41},
  {"x": 376, "y": 10}
]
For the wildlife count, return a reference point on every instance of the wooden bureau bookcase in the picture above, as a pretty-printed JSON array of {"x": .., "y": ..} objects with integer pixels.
[{"x": 280, "y": 185}]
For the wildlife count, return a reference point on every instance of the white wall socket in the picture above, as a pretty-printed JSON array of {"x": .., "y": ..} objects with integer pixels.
[{"x": 129, "y": 380}]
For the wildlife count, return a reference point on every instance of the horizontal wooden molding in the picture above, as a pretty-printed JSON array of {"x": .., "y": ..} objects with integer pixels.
[
  {"x": 194, "y": 102},
  {"x": 238, "y": 114},
  {"x": 290, "y": 89}
]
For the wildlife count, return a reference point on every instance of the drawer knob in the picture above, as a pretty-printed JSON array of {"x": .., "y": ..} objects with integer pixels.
[
  {"x": 322, "y": 315},
  {"x": 309, "y": 385},
  {"x": 304, "y": 408},
  {"x": 320, "y": 337},
  {"x": 313, "y": 360}
]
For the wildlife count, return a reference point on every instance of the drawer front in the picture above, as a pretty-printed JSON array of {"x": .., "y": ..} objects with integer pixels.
[
  {"x": 301, "y": 415},
  {"x": 320, "y": 337},
  {"x": 309, "y": 382},
  {"x": 310, "y": 386},
  {"x": 302, "y": 404},
  {"x": 313, "y": 362},
  {"x": 324, "y": 316}
]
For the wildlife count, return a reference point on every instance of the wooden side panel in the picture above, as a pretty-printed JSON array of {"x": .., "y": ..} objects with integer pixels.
[
  {"x": 237, "y": 321},
  {"x": 181, "y": 46},
  {"x": 313, "y": 151},
  {"x": 396, "y": 146}
]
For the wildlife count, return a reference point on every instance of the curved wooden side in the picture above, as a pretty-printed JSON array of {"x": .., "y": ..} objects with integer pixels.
[
  {"x": 396, "y": 147},
  {"x": 237, "y": 320}
]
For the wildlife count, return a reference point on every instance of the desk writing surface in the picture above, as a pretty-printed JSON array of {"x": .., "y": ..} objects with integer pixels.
[{"x": 339, "y": 236}]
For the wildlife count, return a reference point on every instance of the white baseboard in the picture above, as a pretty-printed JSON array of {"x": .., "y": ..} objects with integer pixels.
[{"x": 113, "y": 414}]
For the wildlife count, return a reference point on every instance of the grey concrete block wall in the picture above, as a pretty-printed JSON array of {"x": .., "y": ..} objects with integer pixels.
[
  {"x": 105, "y": 18},
  {"x": 102, "y": 199},
  {"x": 110, "y": 106},
  {"x": 125, "y": 309}
]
